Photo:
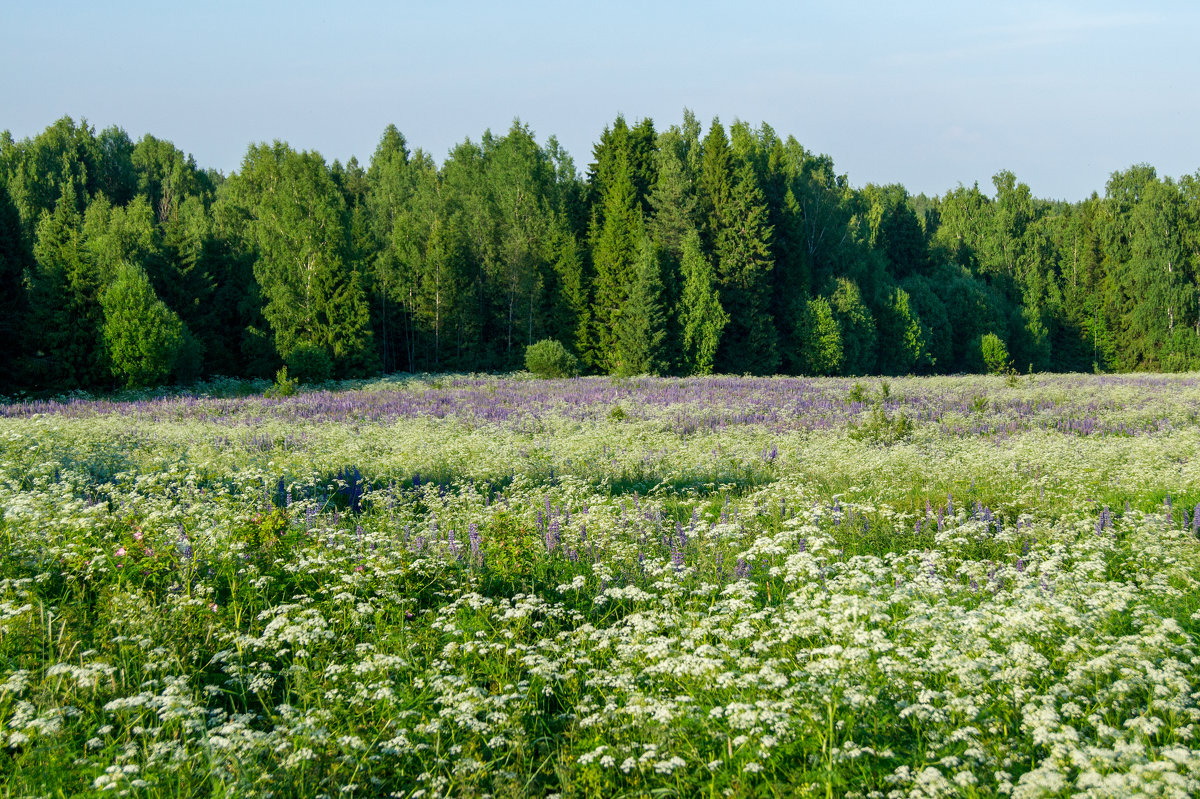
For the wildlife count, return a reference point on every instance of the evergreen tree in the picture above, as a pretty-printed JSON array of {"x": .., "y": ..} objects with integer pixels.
[
  {"x": 14, "y": 261},
  {"x": 930, "y": 309},
  {"x": 614, "y": 259},
  {"x": 744, "y": 273},
  {"x": 673, "y": 201},
  {"x": 857, "y": 326},
  {"x": 701, "y": 317},
  {"x": 640, "y": 326},
  {"x": 903, "y": 338},
  {"x": 818, "y": 348},
  {"x": 142, "y": 336},
  {"x": 716, "y": 183},
  {"x": 65, "y": 312}
]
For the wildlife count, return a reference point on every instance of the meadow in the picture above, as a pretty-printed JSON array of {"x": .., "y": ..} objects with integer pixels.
[{"x": 504, "y": 587}]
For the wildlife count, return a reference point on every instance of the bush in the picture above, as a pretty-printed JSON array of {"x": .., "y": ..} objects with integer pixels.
[
  {"x": 284, "y": 386},
  {"x": 309, "y": 363},
  {"x": 549, "y": 358},
  {"x": 995, "y": 354}
]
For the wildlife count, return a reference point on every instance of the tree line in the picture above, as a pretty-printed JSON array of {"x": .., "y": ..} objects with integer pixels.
[{"x": 678, "y": 251}]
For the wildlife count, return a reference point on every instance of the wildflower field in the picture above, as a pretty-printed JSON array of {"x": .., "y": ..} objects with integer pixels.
[{"x": 481, "y": 586}]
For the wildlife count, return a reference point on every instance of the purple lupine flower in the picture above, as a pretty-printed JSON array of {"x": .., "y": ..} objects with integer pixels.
[
  {"x": 453, "y": 544},
  {"x": 741, "y": 570},
  {"x": 476, "y": 539},
  {"x": 552, "y": 538},
  {"x": 1196, "y": 521},
  {"x": 1020, "y": 564},
  {"x": 941, "y": 521},
  {"x": 682, "y": 535}
]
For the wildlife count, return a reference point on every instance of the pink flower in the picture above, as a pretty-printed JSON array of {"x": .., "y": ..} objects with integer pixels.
[
  {"x": 120, "y": 553},
  {"x": 213, "y": 607},
  {"x": 137, "y": 536},
  {"x": 149, "y": 552}
]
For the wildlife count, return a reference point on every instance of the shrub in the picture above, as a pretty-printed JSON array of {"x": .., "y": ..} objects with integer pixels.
[
  {"x": 549, "y": 358},
  {"x": 309, "y": 363},
  {"x": 284, "y": 386},
  {"x": 995, "y": 354}
]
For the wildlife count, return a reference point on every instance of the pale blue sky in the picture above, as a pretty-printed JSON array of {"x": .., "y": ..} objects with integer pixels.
[{"x": 928, "y": 94}]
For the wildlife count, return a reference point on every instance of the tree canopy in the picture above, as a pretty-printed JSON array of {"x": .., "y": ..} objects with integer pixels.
[{"x": 680, "y": 250}]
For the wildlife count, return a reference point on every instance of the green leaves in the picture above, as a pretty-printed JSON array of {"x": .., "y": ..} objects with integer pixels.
[
  {"x": 701, "y": 316},
  {"x": 297, "y": 224},
  {"x": 142, "y": 336}
]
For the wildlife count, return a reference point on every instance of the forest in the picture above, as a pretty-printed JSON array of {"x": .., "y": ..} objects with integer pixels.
[{"x": 678, "y": 251}]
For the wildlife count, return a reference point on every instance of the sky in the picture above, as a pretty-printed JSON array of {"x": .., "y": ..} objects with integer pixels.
[{"x": 926, "y": 94}]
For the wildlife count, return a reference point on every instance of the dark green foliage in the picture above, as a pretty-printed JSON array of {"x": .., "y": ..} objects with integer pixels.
[
  {"x": 736, "y": 250},
  {"x": 14, "y": 261},
  {"x": 903, "y": 338},
  {"x": 614, "y": 258},
  {"x": 750, "y": 342},
  {"x": 701, "y": 318},
  {"x": 548, "y": 358},
  {"x": 297, "y": 224},
  {"x": 142, "y": 337},
  {"x": 309, "y": 363},
  {"x": 64, "y": 297},
  {"x": 641, "y": 325},
  {"x": 818, "y": 345},
  {"x": 857, "y": 326}
]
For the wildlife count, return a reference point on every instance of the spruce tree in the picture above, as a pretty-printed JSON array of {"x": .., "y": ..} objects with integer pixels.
[
  {"x": 903, "y": 340},
  {"x": 818, "y": 348},
  {"x": 716, "y": 183},
  {"x": 641, "y": 325},
  {"x": 614, "y": 259},
  {"x": 14, "y": 261},
  {"x": 141, "y": 335},
  {"x": 857, "y": 326},
  {"x": 65, "y": 315},
  {"x": 701, "y": 317},
  {"x": 744, "y": 269}
]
